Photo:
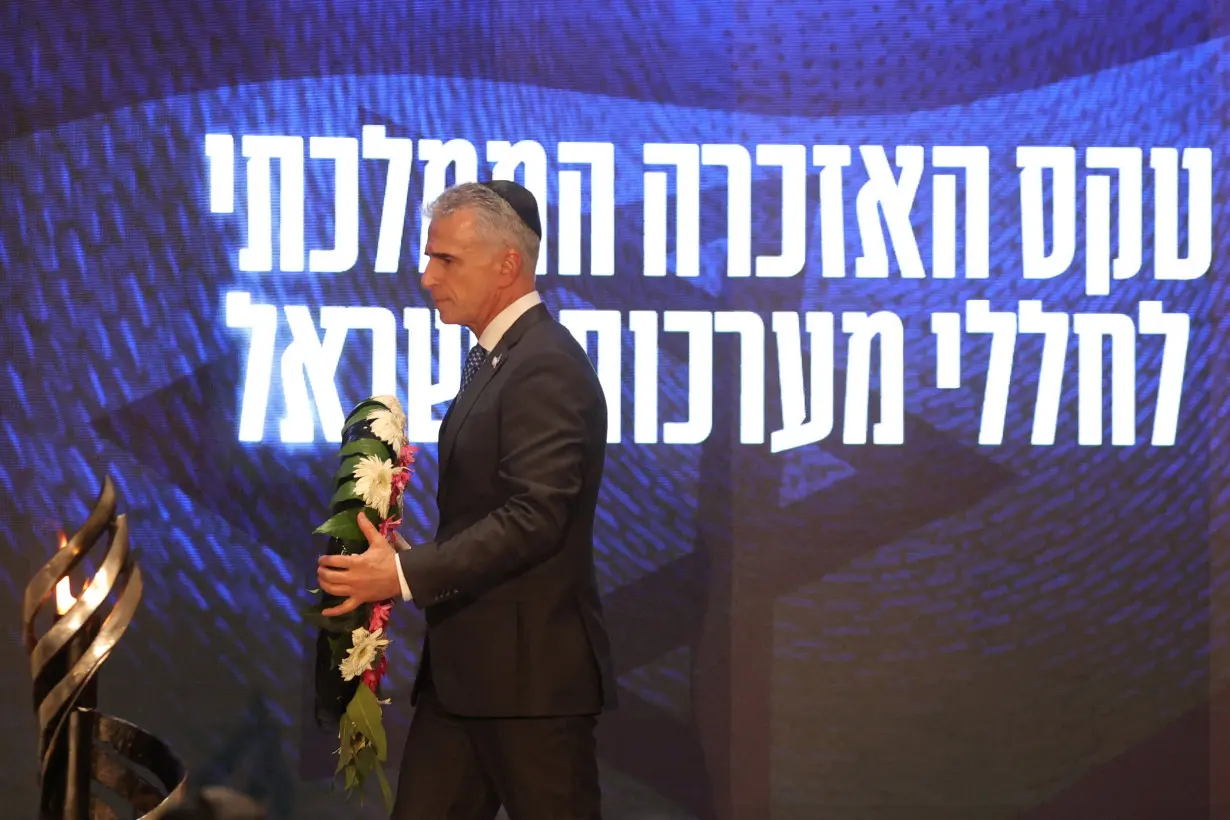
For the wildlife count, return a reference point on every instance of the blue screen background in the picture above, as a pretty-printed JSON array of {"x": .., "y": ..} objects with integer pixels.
[{"x": 932, "y": 629}]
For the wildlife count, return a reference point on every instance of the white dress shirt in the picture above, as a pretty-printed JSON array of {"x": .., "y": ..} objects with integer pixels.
[{"x": 489, "y": 338}]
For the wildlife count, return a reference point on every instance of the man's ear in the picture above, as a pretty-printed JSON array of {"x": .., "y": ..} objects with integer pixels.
[{"x": 510, "y": 267}]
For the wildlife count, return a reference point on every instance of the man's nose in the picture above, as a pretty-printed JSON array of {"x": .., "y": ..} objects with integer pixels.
[{"x": 429, "y": 278}]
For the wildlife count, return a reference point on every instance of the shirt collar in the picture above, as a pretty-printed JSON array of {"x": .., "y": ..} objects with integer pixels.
[{"x": 505, "y": 319}]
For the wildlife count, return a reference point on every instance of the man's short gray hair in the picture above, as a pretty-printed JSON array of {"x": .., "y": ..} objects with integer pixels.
[{"x": 494, "y": 216}]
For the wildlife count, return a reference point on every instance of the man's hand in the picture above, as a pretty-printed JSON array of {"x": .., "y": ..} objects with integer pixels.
[{"x": 360, "y": 579}]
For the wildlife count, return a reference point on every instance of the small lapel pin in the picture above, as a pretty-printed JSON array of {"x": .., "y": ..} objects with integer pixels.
[{"x": 495, "y": 361}]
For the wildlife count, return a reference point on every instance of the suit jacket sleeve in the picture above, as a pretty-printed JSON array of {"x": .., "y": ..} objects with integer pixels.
[{"x": 547, "y": 418}]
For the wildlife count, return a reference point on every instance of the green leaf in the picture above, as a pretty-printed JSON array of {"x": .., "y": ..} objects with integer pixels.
[
  {"x": 364, "y": 710},
  {"x": 385, "y": 790},
  {"x": 366, "y": 762},
  {"x": 346, "y": 492},
  {"x": 345, "y": 472},
  {"x": 367, "y": 447},
  {"x": 345, "y": 525},
  {"x": 359, "y": 413},
  {"x": 346, "y": 734}
]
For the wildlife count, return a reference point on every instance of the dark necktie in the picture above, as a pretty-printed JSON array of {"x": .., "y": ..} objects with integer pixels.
[{"x": 474, "y": 360}]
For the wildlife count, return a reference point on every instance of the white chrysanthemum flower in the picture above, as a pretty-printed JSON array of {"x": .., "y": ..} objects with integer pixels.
[
  {"x": 390, "y": 401},
  {"x": 389, "y": 424},
  {"x": 366, "y": 649},
  {"x": 373, "y": 482}
]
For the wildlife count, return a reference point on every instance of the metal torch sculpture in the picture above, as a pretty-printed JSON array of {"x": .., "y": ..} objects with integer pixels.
[{"x": 79, "y": 747}]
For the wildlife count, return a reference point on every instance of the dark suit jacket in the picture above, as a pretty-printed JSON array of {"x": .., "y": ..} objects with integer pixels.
[{"x": 514, "y": 620}]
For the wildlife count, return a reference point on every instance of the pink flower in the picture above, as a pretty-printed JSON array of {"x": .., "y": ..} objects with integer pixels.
[
  {"x": 379, "y": 617},
  {"x": 389, "y": 525},
  {"x": 407, "y": 455},
  {"x": 371, "y": 678}
]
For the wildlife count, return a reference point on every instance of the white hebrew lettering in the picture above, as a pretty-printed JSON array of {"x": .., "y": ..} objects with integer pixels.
[
  {"x": 399, "y": 152},
  {"x": 608, "y": 326},
  {"x": 262, "y": 321},
  {"x": 831, "y": 159},
  {"x": 797, "y": 429},
  {"x": 976, "y": 161},
  {"x": 1054, "y": 329},
  {"x": 1061, "y": 161},
  {"x": 793, "y": 161},
  {"x": 864, "y": 329},
  {"x": 750, "y": 328},
  {"x": 261, "y": 151},
  {"x": 1126, "y": 162},
  {"x": 738, "y": 164},
  {"x": 439, "y": 157},
  {"x": 1175, "y": 330},
  {"x": 1199, "y": 165},
  {"x": 600, "y": 157},
  {"x": 319, "y": 359},
  {"x": 344, "y": 151},
  {"x": 979, "y": 318},
  {"x": 644, "y": 326},
  {"x": 220, "y": 150},
  {"x": 883, "y": 191},
  {"x": 946, "y": 327},
  {"x": 699, "y": 327},
  {"x": 1091, "y": 329},
  {"x": 686, "y": 160}
]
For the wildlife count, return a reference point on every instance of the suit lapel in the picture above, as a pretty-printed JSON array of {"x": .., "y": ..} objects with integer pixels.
[{"x": 455, "y": 418}]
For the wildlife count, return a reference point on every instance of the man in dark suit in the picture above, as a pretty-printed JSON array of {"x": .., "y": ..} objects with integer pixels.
[{"x": 516, "y": 660}]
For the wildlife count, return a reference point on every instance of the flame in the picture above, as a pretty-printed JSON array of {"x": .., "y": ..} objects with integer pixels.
[{"x": 64, "y": 591}]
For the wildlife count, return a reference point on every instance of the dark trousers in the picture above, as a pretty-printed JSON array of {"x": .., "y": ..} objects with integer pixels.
[{"x": 457, "y": 768}]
